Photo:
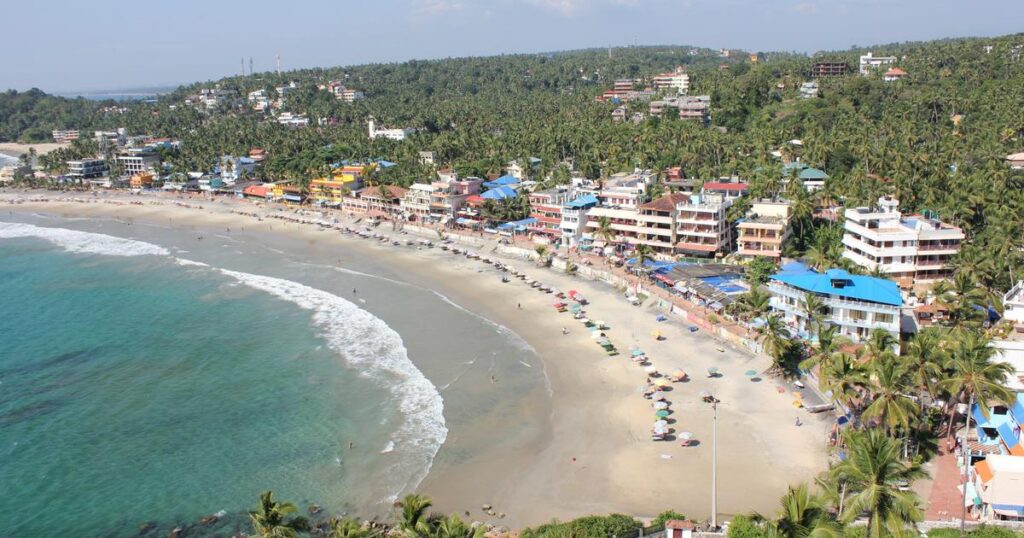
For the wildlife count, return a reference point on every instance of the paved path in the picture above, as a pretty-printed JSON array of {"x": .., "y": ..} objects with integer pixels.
[{"x": 945, "y": 500}]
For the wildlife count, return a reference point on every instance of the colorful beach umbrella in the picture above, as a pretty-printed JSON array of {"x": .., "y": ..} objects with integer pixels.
[
  {"x": 636, "y": 352},
  {"x": 751, "y": 373},
  {"x": 651, "y": 369},
  {"x": 662, "y": 413},
  {"x": 660, "y": 405},
  {"x": 658, "y": 396},
  {"x": 661, "y": 424},
  {"x": 685, "y": 436},
  {"x": 661, "y": 382}
]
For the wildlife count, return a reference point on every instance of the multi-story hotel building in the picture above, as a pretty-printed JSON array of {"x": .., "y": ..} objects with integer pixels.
[
  {"x": 913, "y": 249},
  {"x": 575, "y": 217},
  {"x": 764, "y": 230},
  {"x": 676, "y": 80},
  {"x": 855, "y": 304},
  {"x": 701, "y": 225},
  {"x": 546, "y": 206}
]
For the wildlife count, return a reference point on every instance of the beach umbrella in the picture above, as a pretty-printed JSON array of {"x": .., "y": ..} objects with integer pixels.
[
  {"x": 751, "y": 373},
  {"x": 651, "y": 370},
  {"x": 572, "y": 293},
  {"x": 661, "y": 405},
  {"x": 636, "y": 352},
  {"x": 584, "y": 320},
  {"x": 600, "y": 324},
  {"x": 679, "y": 374},
  {"x": 656, "y": 334},
  {"x": 595, "y": 335},
  {"x": 798, "y": 403},
  {"x": 662, "y": 413},
  {"x": 661, "y": 382},
  {"x": 658, "y": 396},
  {"x": 660, "y": 317},
  {"x": 661, "y": 424},
  {"x": 712, "y": 370},
  {"x": 685, "y": 436}
]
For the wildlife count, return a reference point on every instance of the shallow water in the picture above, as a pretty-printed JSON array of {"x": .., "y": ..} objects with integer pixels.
[{"x": 135, "y": 388}]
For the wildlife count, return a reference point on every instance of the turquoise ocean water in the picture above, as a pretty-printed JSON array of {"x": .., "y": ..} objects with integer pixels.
[{"x": 133, "y": 389}]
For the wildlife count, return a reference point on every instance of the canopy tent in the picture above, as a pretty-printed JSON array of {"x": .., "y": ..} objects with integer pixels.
[{"x": 518, "y": 225}]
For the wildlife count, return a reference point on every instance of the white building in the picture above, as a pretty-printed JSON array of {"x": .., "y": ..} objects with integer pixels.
[
  {"x": 676, "y": 80},
  {"x": 416, "y": 201},
  {"x": 234, "y": 168},
  {"x": 212, "y": 98},
  {"x": 916, "y": 248},
  {"x": 856, "y": 305},
  {"x": 138, "y": 161},
  {"x": 293, "y": 120},
  {"x": 66, "y": 135},
  {"x": 622, "y": 190},
  {"x": 764, "y": 230},
  {"x": 869, "y": 62},
  {"x": 574, "y": 218},
  {"x": 259, "y": 100},
  {"x": 809, "y": 90},
  {"x": 393, "y": 134}
]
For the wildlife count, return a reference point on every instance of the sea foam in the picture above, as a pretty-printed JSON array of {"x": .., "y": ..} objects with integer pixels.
[
  {"x": 363, "y": 340},
  {"x": 82, "y": 242}
]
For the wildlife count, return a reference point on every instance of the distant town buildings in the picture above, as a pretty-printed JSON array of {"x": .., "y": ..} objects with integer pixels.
[
  {"x": 292, "y": 119},
  {"x": 809, "y": 90},
  {"x": 677, "y": 81},
  {"x": 232, "y": 168},
  {"x": 82, "y": 170},
  {"x": 870, "y": 63},
  {"x": 341, "y": 92},
  {"x": 393, "y": 134},
  {"x": 695, "y": 107},
  {"x": 894, "y": 74},
  {"x": 259, "y": 100},
  {"x": 138, "y": 161},
  {"x": 912, "y": 249},
  {"x": 829, "y": 69},
  {"x": 65, "y": 135}
]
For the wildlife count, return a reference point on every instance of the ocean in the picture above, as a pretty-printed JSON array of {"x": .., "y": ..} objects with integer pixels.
[{"x": 146, "y": 384}]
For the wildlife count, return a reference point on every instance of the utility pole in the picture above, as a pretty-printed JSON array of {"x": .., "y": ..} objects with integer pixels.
[
  {"x": 243, "y": 66},
  {"x": 250, "y": 65},
  {"x": 278, "y": 64},
  {"x": 967, "y": 468}
]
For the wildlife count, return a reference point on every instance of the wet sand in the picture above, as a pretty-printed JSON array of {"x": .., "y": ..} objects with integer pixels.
[{"x": 593, "y": 453}]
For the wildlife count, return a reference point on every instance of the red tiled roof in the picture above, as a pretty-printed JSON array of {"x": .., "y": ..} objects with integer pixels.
[
  {"x": 895, "y": 72},
  {"x": 376, "y": 192},
  {"x": 723, "y": 186},
  {"x": 677, "y": 524},
  {"x": 255, "y": 190},
  {"x": 666, "y": 203}
]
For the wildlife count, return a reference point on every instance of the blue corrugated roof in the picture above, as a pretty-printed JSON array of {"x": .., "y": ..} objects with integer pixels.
[
  {"x": 499, "y": 193},
  {"x": 1017, "y": 411},
  {"x": 501, "y": 181},
  {"x": 861, "y": 288},
  {"x": 518, "y": 224},
  {"x": 587, "y": 200}
]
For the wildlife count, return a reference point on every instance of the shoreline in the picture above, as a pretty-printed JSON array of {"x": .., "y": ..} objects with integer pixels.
[{"x": 594, "y": 456}]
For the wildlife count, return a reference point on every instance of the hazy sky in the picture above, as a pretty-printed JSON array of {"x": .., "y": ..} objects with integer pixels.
[{"x": 64, "y": 45}]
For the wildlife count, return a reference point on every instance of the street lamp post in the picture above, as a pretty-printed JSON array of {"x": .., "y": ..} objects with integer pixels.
[{"x": 714, "y": 463}]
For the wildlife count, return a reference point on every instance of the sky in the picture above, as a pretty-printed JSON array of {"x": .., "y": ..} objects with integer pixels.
[{"x": 72, "y": 45}]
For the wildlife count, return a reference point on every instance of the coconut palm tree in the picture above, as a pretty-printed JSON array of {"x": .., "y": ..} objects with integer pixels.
[
  {"x": 890, "y": 406},
  {"x": 803, "y": 515},
  {"x": 754, "y": 303},
  {"x": 347, "y": 527},
  {"x": 924, "y": 356},
  {"x": 879, "y": 348},
  {"x": 776, "y": 339},
  {"x": 453, "y": 527},
  {"x": 845, "y": 376},
  {"x": 412, "y": 518},
  {"x": 827, "y": 344},
  {"x": 270, "y": 519},
  {"x": 973, "y": 376},
  {"x": 814, "y": 310},
  {"x": 604, "y": 229},
  {"x": 873, "y": 474},
  {"x": 644, "y": 254}
]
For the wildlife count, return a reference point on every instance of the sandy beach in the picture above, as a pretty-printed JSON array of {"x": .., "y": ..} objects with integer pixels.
[
  {"x": 593, "y": 454},
  {"x": 15, "y": 149}
]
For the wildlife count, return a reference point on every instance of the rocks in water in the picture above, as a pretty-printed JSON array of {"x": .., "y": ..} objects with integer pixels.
[
  {"x": 501, "y": 515},
  {"x": 490, "y": 512},
  {"x": 146, "y": 527},
  {"x": 486, "y": 507},
  {"x": 176, "y": 532},
  {"x": 209, "y": 520},
  {"x": 314, "y": 509}
]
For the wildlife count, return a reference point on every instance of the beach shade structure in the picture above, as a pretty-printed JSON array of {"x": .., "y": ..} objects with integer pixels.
[
  {"x": 596, "y": 335},
  {"x": 660, "y": 405},
  {"x": 798, "y": 403},
  {"x": 636, "y": 352},
  {"x": 678, "y": 375},
  {"x": 639, "y": 359},
  {"x": 601, "y": 325},
  {"x": 712, "y": 371},
  {"x": 660, "y": 382},
  {"x": 651, "y": 370},
  {"x": 658, "y": 396},
  {"x": 660, "y": 317},
  {"x": 750, "y": 373},
  {"x": 662, "y": 413},
  {"x": 656, "y": 335},
  {"x": 685, "y": 436},
  {"x": 661, "y": 424}
]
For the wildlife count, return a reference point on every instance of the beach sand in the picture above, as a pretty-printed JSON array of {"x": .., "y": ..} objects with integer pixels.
[
  {"x": 593, "y": 455},
  {"x": 15, "y": 149}
]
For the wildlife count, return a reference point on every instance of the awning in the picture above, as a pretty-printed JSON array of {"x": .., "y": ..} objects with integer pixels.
[
  {"x": 984, "y": 471},
  {"x": 1009, "y": 440},
  {"x": 465, "y": 222},
  {"x": 293, "y": 197}
]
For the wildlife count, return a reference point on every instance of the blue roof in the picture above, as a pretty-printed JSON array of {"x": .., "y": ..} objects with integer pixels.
[
  {"x": 1017, "y": 410},
  {"x": 500, "y": 193},
  {"x": 585, "y": 201},
  {"x": 861, "y": 288},
  {"x": 813, "y": 173},
  {"x": 385, "y": 164},
  {"x": 518, "y": 224},
  {"x": 503, "y": 180}
]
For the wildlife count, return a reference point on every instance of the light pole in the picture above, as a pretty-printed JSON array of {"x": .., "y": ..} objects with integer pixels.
[
  {"x": 714, "y": 463},
  {"x": 967, "y": 465}
]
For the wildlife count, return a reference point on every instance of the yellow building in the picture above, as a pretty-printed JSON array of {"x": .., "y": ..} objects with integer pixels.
[
  {"x": 287, "y": 192},
  {"x": 343, "y": 181},
  {"x": 138, "y": 181}
]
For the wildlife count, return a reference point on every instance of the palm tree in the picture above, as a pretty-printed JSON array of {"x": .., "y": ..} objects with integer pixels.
[
  {"x": 347, "y": 527},
  {"x": 412, "y": 519},
  {"x": 776, "y": 342},
  {"x": 873, "y": 474},
  {"x": 828, "y": 343},
  {"x": 754, "y": 303},
  {"x": 973, "y": 376},
  {"x": 803, "y": 515},
  {"x": 814, "y": 309},
  {"x": 604, "y": 229},
  {"x": 453, "y": 527},
  {"x": 844, "y": 376},
  {"x": 270, "y": 519},
  {"x": 644, "y": 253},
  {"x": 889, "y": 405},
  {"x": 924, "y": 356},
  {"x": 879, "y": 348}
]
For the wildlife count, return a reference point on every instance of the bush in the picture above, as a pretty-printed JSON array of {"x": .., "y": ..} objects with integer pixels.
[
  {"x": 665, "y": 516},
  {"x": 983, "y": 531},
  {"x": 744, "y": 527},
  {"x": 616, "y": 525},
  {"x": 759, "y": 269}
]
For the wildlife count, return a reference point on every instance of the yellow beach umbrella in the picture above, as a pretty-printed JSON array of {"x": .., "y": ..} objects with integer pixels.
[{"x": 661, "y": 382}]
